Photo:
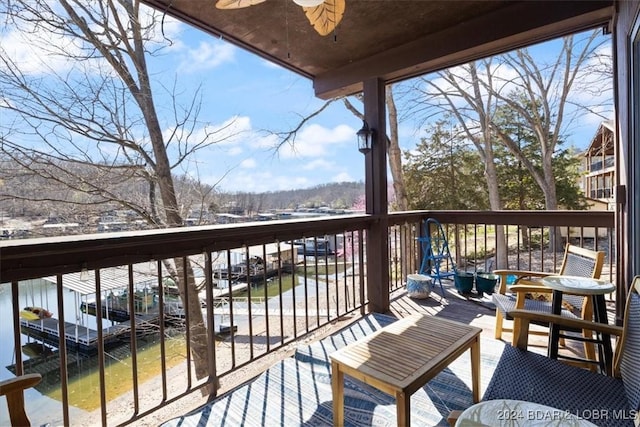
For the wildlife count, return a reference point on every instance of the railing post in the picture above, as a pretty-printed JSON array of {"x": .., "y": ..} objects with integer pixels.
[{"x": 376, "y": 194}]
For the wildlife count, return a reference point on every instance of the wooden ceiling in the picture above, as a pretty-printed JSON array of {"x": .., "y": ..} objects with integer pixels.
[{"x": 389, "y": 39}]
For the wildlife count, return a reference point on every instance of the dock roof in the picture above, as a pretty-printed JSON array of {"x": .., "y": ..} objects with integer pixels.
[{"x": 110, "y": 279}]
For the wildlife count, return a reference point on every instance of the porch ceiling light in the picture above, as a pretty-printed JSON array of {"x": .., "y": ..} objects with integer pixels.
[
  {"x": 365, "y": 138},
  {"x": 308, "y": 3}
]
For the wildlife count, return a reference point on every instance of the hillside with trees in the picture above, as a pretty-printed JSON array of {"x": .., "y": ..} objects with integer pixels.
[
  {"x": 342, "y": 195},
  {"x": 37, "y": 198}
]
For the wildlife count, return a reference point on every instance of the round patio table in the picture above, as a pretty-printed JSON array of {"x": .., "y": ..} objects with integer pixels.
[
  {"x": 591, "y": 288},
  {"x": 506, "y": 412}
]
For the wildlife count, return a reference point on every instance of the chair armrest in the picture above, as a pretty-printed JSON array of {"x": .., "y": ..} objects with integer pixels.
[
  {"x": 19, "y": 383},
  {"x": 521, "y": 274},
  {"x": 526, "y": 316},
  {"x": 522, "y": 290},
  {"x": 531, "y": 288},
  {"x": 13, "y": 389}
]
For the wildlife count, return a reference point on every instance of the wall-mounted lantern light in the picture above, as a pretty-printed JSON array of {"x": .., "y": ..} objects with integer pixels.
[
  {"x": 84, "y": 273},
  {"x": 365, "y": 137}
]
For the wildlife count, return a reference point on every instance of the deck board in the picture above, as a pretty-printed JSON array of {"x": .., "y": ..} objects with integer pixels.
[{"x": 473, "y": 310}]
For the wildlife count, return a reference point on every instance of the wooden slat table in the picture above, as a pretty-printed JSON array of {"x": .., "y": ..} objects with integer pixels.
[{"x": 402, "y": 357}]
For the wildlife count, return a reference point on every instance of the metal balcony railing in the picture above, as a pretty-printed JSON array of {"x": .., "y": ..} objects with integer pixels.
[
  {"x": 533, "y": 240},
  {"x": 132, "y": 341}
]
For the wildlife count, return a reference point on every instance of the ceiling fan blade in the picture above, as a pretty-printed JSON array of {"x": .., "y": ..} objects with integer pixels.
[
  {"x": 236, "y": 4},
  {"x": 325, "y": 17}
]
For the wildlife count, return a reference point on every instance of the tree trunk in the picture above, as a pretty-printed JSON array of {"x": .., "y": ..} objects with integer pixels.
[
  {"x": 395, "y": 154},
  {"x": 197, "y": 328},
  {"x": 143, "y": 95},
  {"x": 491, "y": 176},
  {"x": 395, "y": 165}
]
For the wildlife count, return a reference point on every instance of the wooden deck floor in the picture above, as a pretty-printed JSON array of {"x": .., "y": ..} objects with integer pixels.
[{"x": 473, "y": 310}]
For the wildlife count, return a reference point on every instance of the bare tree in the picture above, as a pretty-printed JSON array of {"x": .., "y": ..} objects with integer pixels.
[
  {"x": 472, "y": 93},
  {"x": 86, "y": 118},
  {"x": 393, "y": 150},
  {"x": 395, "y": 153},
  {"x": 541, "y": 95},
  {"x": 472, "y": 108}
]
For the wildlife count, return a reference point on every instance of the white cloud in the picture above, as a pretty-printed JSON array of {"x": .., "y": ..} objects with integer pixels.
[
  {"x": 167, "y": 30},
  {"x": 268, "y": 142},
  {"x": 318, "y": 164},
  {"x": 37, "y": 50},
  {"x": 230, "y": 132},
  {"x": 343, "y": 177},
  {"x": 248, "y": 164},
  {"x": 207, "y": 56},
  {"x": 314, "y": 141},
  {"x": 504, "y": 78},
  {"x": 234, "y": 151},
  {"x": 33, "y": 53}
]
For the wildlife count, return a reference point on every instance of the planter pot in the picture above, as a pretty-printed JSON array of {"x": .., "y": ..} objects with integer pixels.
[
  {"x": 486, "y": 282},
  {"x": 463, "y": 281},
  {"x": 418, "y": 286}
]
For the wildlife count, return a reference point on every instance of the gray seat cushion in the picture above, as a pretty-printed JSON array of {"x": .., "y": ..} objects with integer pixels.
[
  {"x": 506, "y": 303},
  {"x": 524, "y": 375},
  {"x": 630, "y": 357}
]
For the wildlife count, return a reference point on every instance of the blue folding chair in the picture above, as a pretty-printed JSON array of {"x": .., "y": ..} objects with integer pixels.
[{"x": 436, "y": 257}]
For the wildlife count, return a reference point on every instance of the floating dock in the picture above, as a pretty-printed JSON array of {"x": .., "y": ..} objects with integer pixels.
[
  {"x": 117, "y": 312},
  {"x": 114, "y": 308},
  {"x": 82, "y": 338}
]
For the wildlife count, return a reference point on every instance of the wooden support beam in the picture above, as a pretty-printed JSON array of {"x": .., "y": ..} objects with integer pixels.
[
  {"x": 376, "y": 194},
  {"x": 474, "y": 39}
]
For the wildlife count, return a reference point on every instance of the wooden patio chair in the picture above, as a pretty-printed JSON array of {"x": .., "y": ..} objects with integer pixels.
[
  {"x": 605, "y": 400},
  {"x": 14, "y": 389},
  {"x": 576, "y": 262}
]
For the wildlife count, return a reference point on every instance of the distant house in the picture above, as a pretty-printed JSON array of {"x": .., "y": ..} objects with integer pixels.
[
  {"x": 60, "y": 229},
  {"x": 598, "y": 179},
  {"x": 589, "y": 232},
  {"x": 599, "y": 165},
  {"x": 228, "y": 218}
]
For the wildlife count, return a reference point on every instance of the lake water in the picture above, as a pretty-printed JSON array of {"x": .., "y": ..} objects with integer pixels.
[
  {"x": 83, "y": 381},
  {"x": 40, "y": 408},
  {"x": 31, "y": 293}
]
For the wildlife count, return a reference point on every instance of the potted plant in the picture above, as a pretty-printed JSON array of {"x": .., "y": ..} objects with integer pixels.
[
  {"x": 486, "y": 282},
  {"x": 463, "y": 281}
]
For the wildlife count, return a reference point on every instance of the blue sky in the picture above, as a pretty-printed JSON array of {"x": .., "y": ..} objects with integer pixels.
[
  {"x": 263, "y": 97},
  {"x": 248, "y": 99},
  {"x": 259, "y": 98}
]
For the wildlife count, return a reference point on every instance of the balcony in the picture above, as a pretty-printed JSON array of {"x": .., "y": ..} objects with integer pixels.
[
  {"x": 596, "y": 164},
  {"x": 260, "y": 291}
]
